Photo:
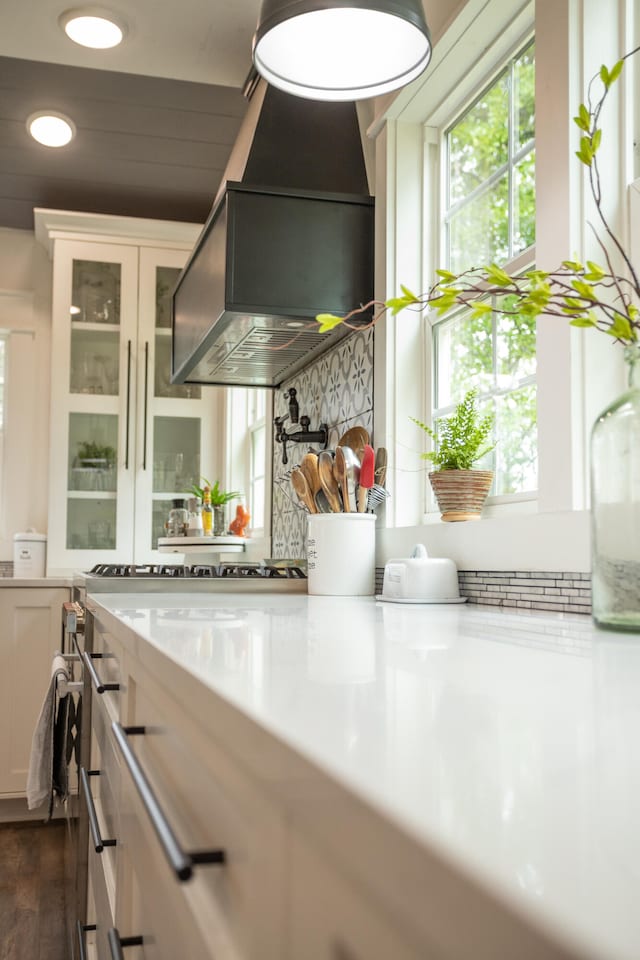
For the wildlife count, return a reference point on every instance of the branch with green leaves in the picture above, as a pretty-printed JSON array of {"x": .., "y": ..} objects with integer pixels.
[{"x": 587, "y": 295}]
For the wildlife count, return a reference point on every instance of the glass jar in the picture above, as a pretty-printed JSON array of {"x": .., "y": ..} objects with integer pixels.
[
  {"x": 178, "y": 519},
  {"x": 615, "y": 507}
]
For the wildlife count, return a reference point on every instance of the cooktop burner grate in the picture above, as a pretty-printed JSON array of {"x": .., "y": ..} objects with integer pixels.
[{"x": 200, "y": 570}]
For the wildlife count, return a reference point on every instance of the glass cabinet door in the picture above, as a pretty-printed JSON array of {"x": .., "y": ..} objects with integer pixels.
[
  {"x": 177, "y": 421},
  {"x": 93, "y": 376}
]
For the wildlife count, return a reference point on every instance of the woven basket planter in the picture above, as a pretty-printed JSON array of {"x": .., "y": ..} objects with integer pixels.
[{"x": 461, "y": 493}]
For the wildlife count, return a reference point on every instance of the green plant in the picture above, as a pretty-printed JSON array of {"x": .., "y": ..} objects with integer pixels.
[
  {"x": 218, "y": 497},
  {"x": 459, "y": 438},
  {"x": 587, "y": 295},
  {"x": 88, "y": 450}
]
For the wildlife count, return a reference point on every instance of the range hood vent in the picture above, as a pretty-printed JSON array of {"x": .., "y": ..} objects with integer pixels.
[{"x": 290, "y": 235}]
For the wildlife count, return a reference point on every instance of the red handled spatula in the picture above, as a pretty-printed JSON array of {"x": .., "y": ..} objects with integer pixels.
[{"x": 367, "y": 471}]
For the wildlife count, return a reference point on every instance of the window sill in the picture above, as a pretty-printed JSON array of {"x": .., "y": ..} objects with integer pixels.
[{"x": 508, "y": 540}]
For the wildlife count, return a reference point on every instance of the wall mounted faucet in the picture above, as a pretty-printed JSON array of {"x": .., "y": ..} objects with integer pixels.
[{"x": 304, "y": 435}]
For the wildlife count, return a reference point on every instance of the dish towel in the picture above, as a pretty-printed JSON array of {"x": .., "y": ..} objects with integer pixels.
[{"x": 40, "y": 776}]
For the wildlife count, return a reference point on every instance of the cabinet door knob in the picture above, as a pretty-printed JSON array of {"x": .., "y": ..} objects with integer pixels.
[
  {"x": 117, "y": 943},
  {"x": 181, "y": 862}
]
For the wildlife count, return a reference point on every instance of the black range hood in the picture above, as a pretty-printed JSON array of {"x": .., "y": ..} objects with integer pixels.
[{"x": 290, "y": 235}]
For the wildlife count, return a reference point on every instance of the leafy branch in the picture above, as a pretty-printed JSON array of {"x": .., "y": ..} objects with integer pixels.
[{"x": 587, "y": 295}]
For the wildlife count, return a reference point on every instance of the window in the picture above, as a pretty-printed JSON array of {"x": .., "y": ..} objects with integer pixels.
[
  {"x": 257, "y": 437},
  {"x": 490, "y": 217},
  {"x": 247, "y": 466}
]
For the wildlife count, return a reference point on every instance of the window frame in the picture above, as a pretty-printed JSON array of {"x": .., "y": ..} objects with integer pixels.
[{"x": 576, "y": 375}]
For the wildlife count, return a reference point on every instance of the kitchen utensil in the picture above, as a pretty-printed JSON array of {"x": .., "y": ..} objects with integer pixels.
[
  {"x": 301, "y": 487},
  {"x": 309, "y": 466},
  {"x": 377, "y": 495},
  {"x": 367, "y": 467},
  {"x": 356, "y": 438},
  {"x": 421, "y": 578},
  {"x": 345, "y": 466},
  {"x": 322, "y": 502},
  {"x": 328, "y": 481},
  {"x": 380, "y": 472}
]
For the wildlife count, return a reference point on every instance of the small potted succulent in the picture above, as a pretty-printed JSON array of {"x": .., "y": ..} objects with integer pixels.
[{"x": 460, "y": 441}]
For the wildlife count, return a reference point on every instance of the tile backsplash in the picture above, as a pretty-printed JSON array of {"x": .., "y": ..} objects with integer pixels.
[
  {"x": 522, "y": 590},
  {"x": 337, "y": 389}
]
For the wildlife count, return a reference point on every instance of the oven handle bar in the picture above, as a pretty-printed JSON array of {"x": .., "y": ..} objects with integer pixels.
[
  {"x": 98, "y": 843},
  {"x": 116, "y": 943},
  {"x": 81, "y": 929},
  {"x": 181, "y": 862},
  {"x": 100, "y": 687}
]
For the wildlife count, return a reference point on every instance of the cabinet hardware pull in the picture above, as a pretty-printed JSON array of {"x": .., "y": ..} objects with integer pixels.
[
  {"x": 146, "y": 387},
  {"x": 81, "y": 929},
  {"x": 118, "y": 943},
  {"x": 98, "y": 843},
  {"x": 126, "y": 442},
  {"x": 100, "y": 687},
  {"x": 181, "y": 862}
]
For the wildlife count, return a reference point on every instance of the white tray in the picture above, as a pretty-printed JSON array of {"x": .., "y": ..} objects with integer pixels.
[{"x": 405, "y": 600}]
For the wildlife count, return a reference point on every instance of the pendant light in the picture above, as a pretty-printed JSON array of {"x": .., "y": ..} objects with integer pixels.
[{"x": 341, "y": 49}]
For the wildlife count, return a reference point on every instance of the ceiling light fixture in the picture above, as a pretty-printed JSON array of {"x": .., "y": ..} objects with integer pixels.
[
  {"x": 51, "y": 129},
  {"x": 341, "y": 49},
  {"x": 93, "y": 27}
]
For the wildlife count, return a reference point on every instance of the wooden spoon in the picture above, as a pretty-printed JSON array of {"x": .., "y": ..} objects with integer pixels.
[
  {"x": 380, "y": 472},
  {"x": 328, "y": 481},
  {"x": 356, "y": 438},
  {"x": 309, "y": 467},
  {"x": 301, "y": 487}
]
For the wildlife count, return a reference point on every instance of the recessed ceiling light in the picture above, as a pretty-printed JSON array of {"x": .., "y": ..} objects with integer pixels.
[
  {"x": 51, "y": 129},
  {"x": 93, "y": 27}
]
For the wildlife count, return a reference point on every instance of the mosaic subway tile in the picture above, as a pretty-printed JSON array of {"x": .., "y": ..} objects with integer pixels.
[{"x": 522, "y": 590}]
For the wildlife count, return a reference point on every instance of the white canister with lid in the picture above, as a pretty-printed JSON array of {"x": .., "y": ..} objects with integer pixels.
[{"x": 29, "y": 554}]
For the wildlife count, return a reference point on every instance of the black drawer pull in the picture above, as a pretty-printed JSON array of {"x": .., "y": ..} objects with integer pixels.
[
  {"x": 181, "y": 862},
  {"x": 98, "y": 843},
  {"x": 100, "y": 687},
  {"x": 118, "y": 943},
  {"x": 81, "y": 929}
]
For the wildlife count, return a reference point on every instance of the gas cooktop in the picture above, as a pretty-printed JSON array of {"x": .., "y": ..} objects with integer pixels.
[{"x": 242, "y": 577}]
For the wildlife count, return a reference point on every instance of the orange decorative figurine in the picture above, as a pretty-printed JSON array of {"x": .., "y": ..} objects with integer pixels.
[{"x": 241, "y": 521}]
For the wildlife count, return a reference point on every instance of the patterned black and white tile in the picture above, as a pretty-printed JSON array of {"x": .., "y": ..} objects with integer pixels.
[{"x": 337, "y": 390}]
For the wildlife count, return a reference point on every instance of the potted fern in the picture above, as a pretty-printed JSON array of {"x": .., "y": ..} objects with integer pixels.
[{"x": 460, "y": 441}]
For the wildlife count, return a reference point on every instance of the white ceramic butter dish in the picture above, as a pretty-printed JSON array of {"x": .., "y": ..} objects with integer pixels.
[{"x": 421, "y": 579}]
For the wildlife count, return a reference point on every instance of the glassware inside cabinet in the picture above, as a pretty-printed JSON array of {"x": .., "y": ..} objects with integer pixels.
[
  {"x": 94, "y": 362},
  {"x": 91, "y": 524},
  {"x": 166, "y": 280},
  {"x": 176, "y": 454},
  {"x": 95, "y": 296}
]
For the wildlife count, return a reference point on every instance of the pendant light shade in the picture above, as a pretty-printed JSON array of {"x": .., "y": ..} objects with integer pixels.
[{"x": 341, "y": 49}]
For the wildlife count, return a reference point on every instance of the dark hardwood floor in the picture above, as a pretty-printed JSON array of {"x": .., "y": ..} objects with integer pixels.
[{"x": 32, "y": 923}]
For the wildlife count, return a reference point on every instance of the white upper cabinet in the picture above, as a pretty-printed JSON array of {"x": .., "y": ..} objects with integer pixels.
[{"x": 124, "y": 441}]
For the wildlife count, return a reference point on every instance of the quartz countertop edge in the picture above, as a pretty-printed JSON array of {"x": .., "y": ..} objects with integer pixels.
[
  {"x": 36, "y": 581},
  {"x": 482, "y": 762}
]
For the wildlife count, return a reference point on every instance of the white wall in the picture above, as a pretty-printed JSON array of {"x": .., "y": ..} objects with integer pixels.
[{"x": 25, "y": 311}]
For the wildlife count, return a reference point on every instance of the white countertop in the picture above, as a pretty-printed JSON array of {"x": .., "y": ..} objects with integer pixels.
[
  {"x": 507, "y": 743},
  {"x": 35, "y": 581}
]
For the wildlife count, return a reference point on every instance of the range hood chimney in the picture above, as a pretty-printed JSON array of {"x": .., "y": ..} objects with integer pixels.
[{"x": 290, "y": 235}]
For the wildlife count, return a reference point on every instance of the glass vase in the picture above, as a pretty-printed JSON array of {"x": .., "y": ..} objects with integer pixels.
[
  {"x": 219, "y": 520},
  {"x": 615, "y": 507}
]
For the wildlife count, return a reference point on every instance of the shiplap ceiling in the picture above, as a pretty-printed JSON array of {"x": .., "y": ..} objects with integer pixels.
[{"x": 156, "y": 117}]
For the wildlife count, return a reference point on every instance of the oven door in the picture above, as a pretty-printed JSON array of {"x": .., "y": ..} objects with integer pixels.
[{"x": 77, "y": 633}]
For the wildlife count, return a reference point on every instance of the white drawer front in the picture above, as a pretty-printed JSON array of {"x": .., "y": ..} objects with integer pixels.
[{"x": 211, "y": 806}]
